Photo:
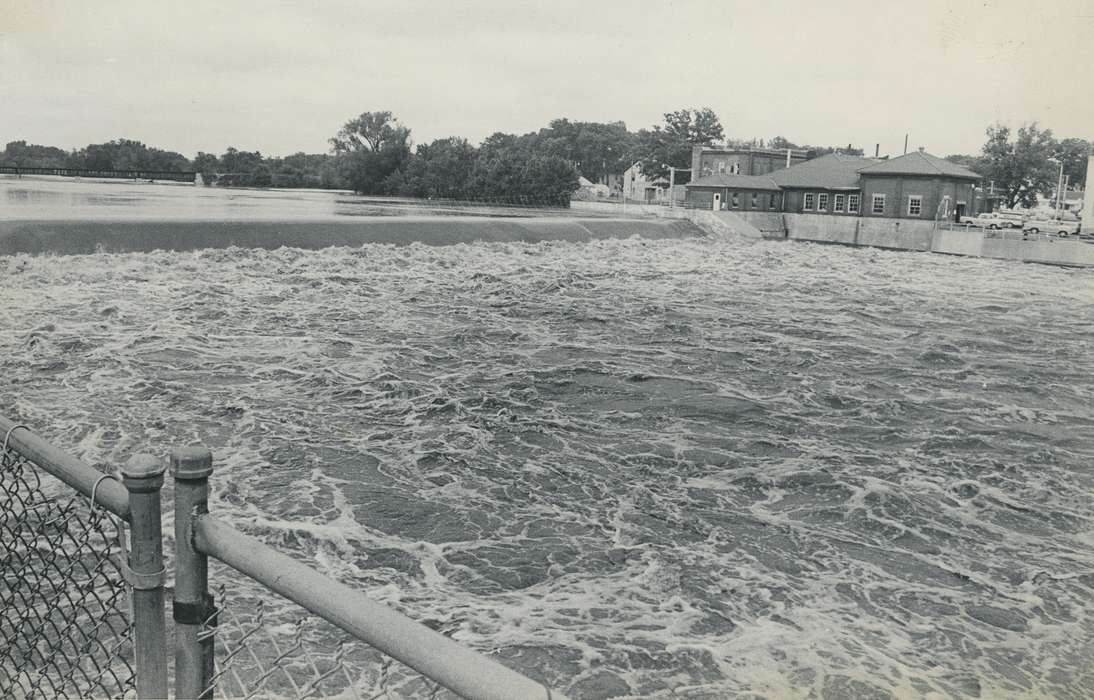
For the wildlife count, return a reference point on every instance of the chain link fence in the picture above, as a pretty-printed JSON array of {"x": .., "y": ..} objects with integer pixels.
[
  {"x": 271, "y": 648},
  {"x": 64, "y": 619},
  {"x": 82, "y": 616}
]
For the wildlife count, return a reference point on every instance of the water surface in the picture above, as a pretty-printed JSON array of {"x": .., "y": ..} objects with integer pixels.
[{"x": 681, "y": 468}]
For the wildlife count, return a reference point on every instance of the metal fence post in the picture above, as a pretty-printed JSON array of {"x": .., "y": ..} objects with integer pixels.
[
  {"x": 191, "y": 467},
  {"x": 143, "y": 477}
]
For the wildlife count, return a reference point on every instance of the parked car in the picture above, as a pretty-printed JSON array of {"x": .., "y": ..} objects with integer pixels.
[
  {"x": 993, "y": 221},
  {"x": 1060, "y": 228}
]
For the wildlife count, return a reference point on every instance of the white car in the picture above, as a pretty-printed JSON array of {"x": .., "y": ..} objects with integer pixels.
[
  {"x": 993, "y": 221},
  {"x": 1060, "y": 228}
]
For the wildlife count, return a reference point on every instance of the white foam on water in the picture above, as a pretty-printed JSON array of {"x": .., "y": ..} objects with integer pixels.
[{"x": 655, "y": 467}]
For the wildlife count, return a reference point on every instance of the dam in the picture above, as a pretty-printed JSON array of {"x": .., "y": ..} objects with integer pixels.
[{"x": 636, "y": 463}]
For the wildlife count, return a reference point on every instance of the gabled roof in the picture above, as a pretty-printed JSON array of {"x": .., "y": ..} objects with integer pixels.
[
  {"x": 832, "y": 171},
  {"x": 920, "y": 163},
  {"x": 740, "y": 182}
]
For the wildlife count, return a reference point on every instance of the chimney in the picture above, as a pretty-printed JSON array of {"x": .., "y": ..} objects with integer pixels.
[
  {"x": 921, "y": 149},
  {"x": 877, "y": 150}
]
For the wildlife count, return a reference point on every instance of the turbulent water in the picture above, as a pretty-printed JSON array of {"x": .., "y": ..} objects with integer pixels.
[{"x": 662, "y": 469}]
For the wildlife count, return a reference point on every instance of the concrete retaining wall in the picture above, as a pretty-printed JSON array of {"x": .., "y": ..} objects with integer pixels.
[
  {"x": 1051, "y": 251},
  {"x": 823, "y": 229},
  {"x": 767, "y": 222},
  {"x": 895, "y": 233},
  {"x": 82, "y": 237}
]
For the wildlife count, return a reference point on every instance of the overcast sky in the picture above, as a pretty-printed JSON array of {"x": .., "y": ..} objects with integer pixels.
[{"x": 284, "y": 76}]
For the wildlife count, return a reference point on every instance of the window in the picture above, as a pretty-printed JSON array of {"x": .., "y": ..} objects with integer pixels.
[
  {"x": 808, "y": 206},
  {"x": 755, "y": 197},
  {"x": 721, "y": 166},
  {"x": 915, "y": 205},
  {"x": 852, "y": 204},
  {"x": 837, "y": 202},
  {"x": 822, "y": 201},
  {"x": 878, "y": 206},
  {"x": 736, "y": 200},
  {"x": 771, "y": 203}
]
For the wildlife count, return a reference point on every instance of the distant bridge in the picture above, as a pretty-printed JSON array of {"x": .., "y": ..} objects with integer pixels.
[{"x": 180, "y": 175}]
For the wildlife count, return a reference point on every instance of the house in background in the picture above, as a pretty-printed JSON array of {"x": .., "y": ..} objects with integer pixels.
[
  {"x": 918, "y": 185},
  {"x": 825, "y": 185},
  {"x": 636, "y": 186},
  {"x": 712, "y": 160},
  {"x": 587, "y": 189}
]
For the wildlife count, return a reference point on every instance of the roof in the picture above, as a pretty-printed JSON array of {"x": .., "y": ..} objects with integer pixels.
[
  {"x": 920, "y": 163},
  {"x": 832, "y": 171},
  {"x": 583, "y": 181},
  {"x": 740, "y": 182}
]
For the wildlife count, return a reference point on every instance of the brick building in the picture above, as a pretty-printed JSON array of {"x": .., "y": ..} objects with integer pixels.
[
  {"x": 735, "y": 192},
  {"x": 709, "y": 160},
  {"x": 918, "y": 186},
  {"x": 913, "y": 186},
  {"x": 825, "y": 185}
]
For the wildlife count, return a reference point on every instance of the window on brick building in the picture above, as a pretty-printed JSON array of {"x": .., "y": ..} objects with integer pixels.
[
  {"x": 915, "y": 205},
  {"x": 755, "y": 198},
  {"x": 808, "y": 205},
  {"x": 736, "y": 200},
  {"x": 721, "y": 166},
  {"x": 822, "y": 201},
  {"x": 771, "y": 202},
  {"x": 878, "y": 206},
  {"x": 837, "y": 203},
  {"x": 852, "y": 204}
]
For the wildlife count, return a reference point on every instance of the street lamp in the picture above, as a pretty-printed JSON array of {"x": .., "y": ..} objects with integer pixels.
[{"x": 1059, "y": 185}]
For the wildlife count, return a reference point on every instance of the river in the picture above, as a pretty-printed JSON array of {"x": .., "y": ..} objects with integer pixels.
[{"x": 668, "y": 468}]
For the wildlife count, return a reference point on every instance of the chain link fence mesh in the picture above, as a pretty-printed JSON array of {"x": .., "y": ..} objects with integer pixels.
[
  {"x": 65, "y": 623},
  {"x": 271, "y": 648}
]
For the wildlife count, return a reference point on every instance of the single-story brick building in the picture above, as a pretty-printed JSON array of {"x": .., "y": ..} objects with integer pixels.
[
  {"x": 918, "y": 186},
  {"x": 913, "y": 186},
  {"x": 739, "y": 192},
  {"x": 825, "y": 185}
]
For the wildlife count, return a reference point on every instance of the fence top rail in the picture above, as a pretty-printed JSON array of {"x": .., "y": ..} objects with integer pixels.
[
  {"x": 109, "y": 493},
  {"x": 465, "y": 672}
]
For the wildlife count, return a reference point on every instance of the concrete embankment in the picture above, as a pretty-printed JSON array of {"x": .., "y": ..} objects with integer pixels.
[
  {"x": 74, "y": 237},
  {"x": 874, "y": 232},
  {"x": 898, "y": 234},
  {"x": 716, "y": 223}
]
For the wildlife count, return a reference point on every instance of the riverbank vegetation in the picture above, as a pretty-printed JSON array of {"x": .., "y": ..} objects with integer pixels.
[{"x": 374, "y": 154}]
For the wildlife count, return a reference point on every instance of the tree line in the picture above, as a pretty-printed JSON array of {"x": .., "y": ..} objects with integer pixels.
[
  {"x": 1024, "y": 164},
  {"x": 374, "y": 154}
]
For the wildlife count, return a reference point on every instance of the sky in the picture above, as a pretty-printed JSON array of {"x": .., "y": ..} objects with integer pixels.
[{"x": 282, "y": 77}]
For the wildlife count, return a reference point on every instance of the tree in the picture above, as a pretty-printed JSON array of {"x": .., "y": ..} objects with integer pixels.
[
  {"x": 207, "y": 164},
  {"x": 596, "y": 149},
  {"x": 440, "y": 169},
  {"x": 19, "y": 153},
  {"x": 661, "y": 147},
  {"x": 1019, "y": 168},
  {"x": 1073, "y": 154},
  {"x": 782, "y": 143},
  {"x": 370, "y": 148},
  {"x": 549, "y": 180}
]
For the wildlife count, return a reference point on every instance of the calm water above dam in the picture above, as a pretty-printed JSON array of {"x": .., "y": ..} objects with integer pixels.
[
  {"x": 32, "y": 198},
  {"x": 678, "y": 468}
]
